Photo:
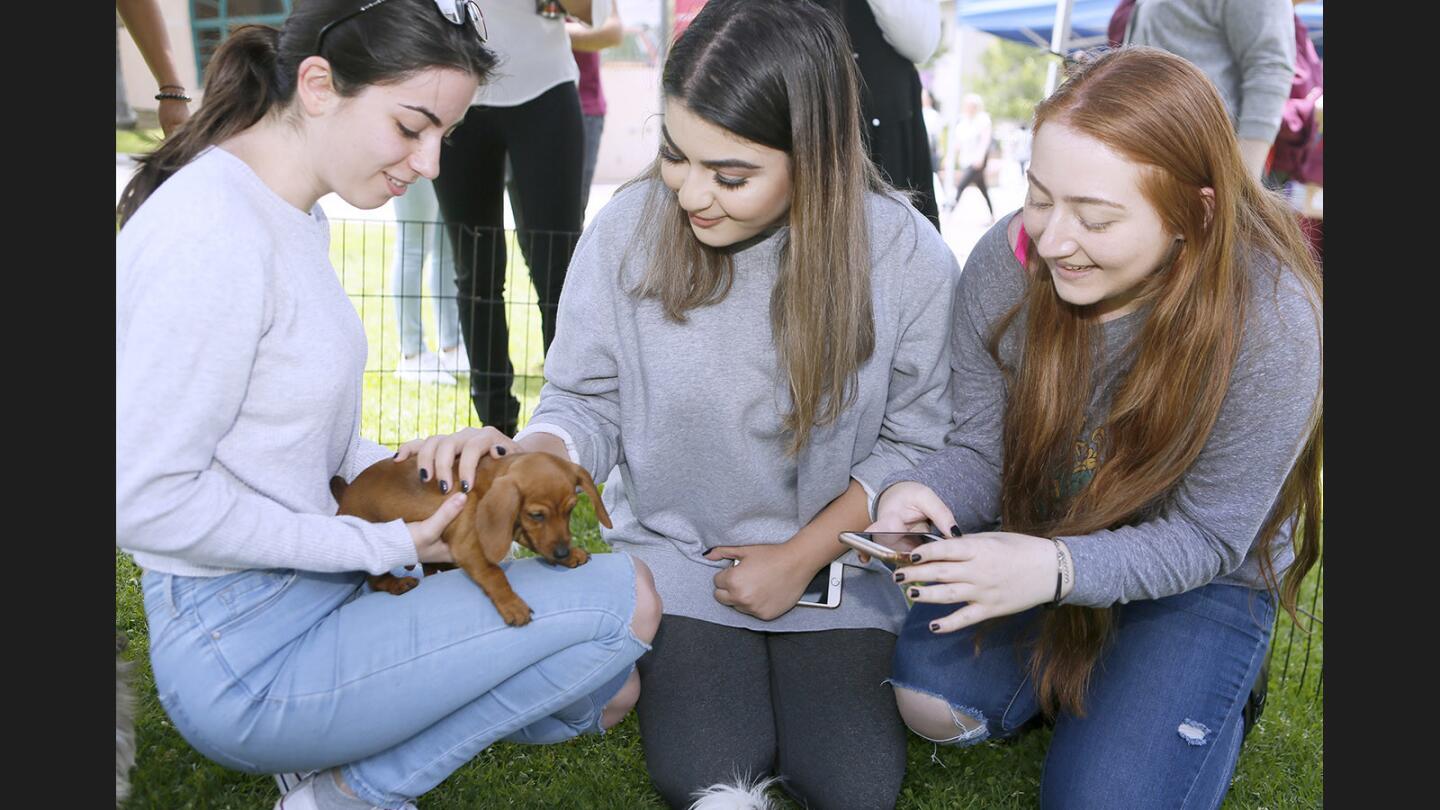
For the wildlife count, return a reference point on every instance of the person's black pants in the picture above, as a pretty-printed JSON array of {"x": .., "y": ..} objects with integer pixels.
[
  {"x": 977, "y": 177},
  {"x": 544, "y": 140},
  {"x": 813, "y": 708}
]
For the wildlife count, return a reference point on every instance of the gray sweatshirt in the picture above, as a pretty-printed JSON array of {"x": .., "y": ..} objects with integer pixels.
[
  {"x": 1246, "y": 47},
  {"x": 691, "y": 413},
  {"x": 1206, "y": 530},
  {"x": 238, "y": 362}
]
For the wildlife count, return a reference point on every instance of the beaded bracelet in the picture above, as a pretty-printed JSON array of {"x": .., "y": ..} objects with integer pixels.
[{"x": 175, "y": 96}]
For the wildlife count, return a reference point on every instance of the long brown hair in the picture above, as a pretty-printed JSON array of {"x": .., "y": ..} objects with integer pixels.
[
  {"x": 253, "y": 72},
  {"x": 1162, "y": 113},
  {"x": 780, "y": 74}
]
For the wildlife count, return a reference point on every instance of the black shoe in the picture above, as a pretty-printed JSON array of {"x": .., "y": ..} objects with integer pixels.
[{"x": 1255, "y": 704}]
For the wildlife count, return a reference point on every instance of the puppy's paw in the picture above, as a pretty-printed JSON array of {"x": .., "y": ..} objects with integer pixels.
[
  {"x": 578, "y": 556},
  {"x": 392, "y": 584},
  {"x": 515, "y": 613}
]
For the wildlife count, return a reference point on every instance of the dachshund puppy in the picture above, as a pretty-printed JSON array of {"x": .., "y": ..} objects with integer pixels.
[
  {"x": 124, "y": 720},
  {"x": 523, "y": 497}
]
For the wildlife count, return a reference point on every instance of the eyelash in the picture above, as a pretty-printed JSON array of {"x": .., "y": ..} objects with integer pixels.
[
  {"x": 1092, "y": 227},
  {"x": 406, "y": 132},
  {"x": 720, "y": 179}
]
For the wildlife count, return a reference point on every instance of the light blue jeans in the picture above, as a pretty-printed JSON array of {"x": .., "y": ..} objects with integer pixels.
[
  {"x": 419, "y": 236},
  {"x": 268, "y": 671}
]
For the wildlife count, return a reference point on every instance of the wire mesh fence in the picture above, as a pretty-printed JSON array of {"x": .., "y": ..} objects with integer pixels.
[{"x": 461, "y": 343}]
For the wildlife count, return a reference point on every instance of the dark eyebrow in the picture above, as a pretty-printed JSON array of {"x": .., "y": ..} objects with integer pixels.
[
  {"x": 729, "y": 163},
  {"x": 1077, "y": 200},
  {"x": 434, "y": 119}
]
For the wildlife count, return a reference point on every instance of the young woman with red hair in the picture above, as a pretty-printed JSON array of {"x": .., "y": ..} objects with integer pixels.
[{"x": 1136, "y": 456}]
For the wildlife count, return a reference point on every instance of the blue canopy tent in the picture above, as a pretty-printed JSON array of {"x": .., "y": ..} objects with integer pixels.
[{"x": 1033, "y": 21}]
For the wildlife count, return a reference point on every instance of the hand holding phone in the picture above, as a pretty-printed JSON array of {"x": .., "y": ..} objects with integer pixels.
[
  {"x": 891, "y": 548},
  {"x": 824, "y": 588},
  {"x": 768, "y": 580}
]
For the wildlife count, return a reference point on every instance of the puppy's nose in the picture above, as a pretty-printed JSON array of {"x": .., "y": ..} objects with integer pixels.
[{"x": 561, "y": 552}]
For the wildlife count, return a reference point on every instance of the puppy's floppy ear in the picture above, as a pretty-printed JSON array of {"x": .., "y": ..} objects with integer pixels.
[
  {"x": 495, "y": 517},
  {"x": 338, "y": 487},
  {"x": 586, "y": 483}
]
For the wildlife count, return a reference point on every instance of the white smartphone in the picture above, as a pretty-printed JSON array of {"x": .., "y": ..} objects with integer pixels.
[
  {"x": 824, "y": 590},
  {"x": 891, "y": 548}
]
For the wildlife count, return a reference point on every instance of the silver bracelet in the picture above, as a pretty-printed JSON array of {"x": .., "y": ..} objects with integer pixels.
[{"x": 1059, "y": 571}]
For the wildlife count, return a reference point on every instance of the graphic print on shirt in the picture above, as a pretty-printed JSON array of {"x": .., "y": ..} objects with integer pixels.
[{"x": 1087, "y": 460}]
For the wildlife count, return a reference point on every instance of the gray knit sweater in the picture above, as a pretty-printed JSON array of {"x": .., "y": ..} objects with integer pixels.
[
  {"x": 691, "y": 413},
  {"x": 1206, "y": 529}
]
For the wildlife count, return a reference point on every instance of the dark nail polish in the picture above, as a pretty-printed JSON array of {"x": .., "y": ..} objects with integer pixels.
[
  {"x": 915, "y": 557},
  {"x": 499, "y": 451},
  {"x": 914, "y": 593},
  {"x": 703, "y": 552},
  {"x": 424, "y": 474},
  {"x": 397, "y": 454},
  {"x": 934, "y": 627},
  {"x": 464, "y": 486},
  {"x": 955, "y": 531},
  {"x": 899, "y": 577},
  {"x": 444, "y": 488}
]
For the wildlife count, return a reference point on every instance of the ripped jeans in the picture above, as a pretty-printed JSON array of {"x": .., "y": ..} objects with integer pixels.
[{"x": 1163, "y": 722}]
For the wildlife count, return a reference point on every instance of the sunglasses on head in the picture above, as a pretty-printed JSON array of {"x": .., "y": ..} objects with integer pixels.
[{"x": 456, "y": 11}]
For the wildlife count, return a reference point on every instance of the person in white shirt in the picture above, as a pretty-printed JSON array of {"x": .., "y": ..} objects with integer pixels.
[
  {"x": 528, "y": 114},
  {"x": 969, "y": 150},
  {"x": 238, "y": 364}
]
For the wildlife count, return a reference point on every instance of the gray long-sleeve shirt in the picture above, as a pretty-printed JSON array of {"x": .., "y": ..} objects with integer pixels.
[
  {"x": 692, "y": 412},
  {"x": 1206, "y": 529},
  {"x": 1246, "y": 47}
]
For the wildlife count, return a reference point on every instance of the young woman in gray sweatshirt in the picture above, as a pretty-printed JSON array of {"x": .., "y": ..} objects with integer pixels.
[
  {"x": 756, "y": 334},
  {"x": 1137, "y": 382}
]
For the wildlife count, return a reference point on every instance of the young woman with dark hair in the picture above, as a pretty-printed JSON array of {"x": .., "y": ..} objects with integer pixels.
[
  {"x": 1137, "y": 445},
  {"x": 238, "y": 362},
  {"x": 756, "y": 332}
]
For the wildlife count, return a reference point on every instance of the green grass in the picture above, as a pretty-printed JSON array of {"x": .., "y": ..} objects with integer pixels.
[{"x": 1280, "y": 766}]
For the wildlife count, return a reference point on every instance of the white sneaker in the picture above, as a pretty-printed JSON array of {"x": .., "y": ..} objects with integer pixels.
[
  {"x": 302, "y": 796},
  {"x": 290, "y": 780},
  {"x": 423, "y": 368},
  {"x": 454, "y": 360}
]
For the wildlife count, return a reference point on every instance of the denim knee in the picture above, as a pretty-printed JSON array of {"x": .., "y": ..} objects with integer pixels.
[{"x": 987, "y": 690}]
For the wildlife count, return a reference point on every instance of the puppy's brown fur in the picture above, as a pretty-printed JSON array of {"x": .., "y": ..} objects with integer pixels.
[{"x": 523, "y": 497}]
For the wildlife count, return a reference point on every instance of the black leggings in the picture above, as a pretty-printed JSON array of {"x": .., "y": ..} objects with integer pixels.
[
  {"x": 544, "y": 139},
  {"x": 811, "y": 707},
  {"x": 976, "y": 176}
]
